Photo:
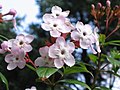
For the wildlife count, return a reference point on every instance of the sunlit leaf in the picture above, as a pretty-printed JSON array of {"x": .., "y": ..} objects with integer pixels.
[
  {"x": 46, "y": 72},
  {"x": 93, "y": 57},
  {"x": 71, "y": 81}
]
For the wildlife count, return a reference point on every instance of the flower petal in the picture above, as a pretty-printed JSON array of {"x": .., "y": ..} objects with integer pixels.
[
  {"x": 65, "y": 13},
  {"x": 70, "y": 46},
  {"x": 9, "y": 58},
  {"x": 93, "y": 50},
  {"x": 53, "y": 52},
  {"x": 11, "y": 66},
  {"x": 75, "y": 35},
  {"x": 58, "y": 63},
  {"x": 46, "y": 26},
  {"x": 44, "y": 51},
  {"x": 56, "y": 10},
  {"x": 69, "y": 60},
  {"x": 29, "y": 38},
  {"x": 55, "y": 33},
  {"x": 60, "y": 41},
  {"x": 47, "y": 18},
  {"x": 85, "y": 43},
  {"x": 27, "y": 48},
  {"x": 40, "y": 61},
  {"x": 21, "y": 64}
]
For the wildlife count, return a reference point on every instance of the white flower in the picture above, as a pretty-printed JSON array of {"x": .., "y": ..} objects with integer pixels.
[
  {"x": 56, "y": 26},
  {"x": 44, "y": 60},
  {"x": 16, "y": 58},
  {"x": 57, "y": 11},
  {"x": 23, "y": 42},
  {"x": 85, "y": 36},
  {"x": 62, "y": 53}
]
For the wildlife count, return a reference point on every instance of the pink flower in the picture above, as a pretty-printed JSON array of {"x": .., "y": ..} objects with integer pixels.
[
  {"x": 44, "y": 60},
  {"x": 85, "y": 36},
  {"x": 57, "y": 11},
  {"x": 6, "y": 46},
  {"x": 56, "y": 26},
  {"x": 32, "y": 88},
  {"x": 61, "y": 52},
  {"x": 23, "y": 42},
  {"x": 16, "y": 58}
]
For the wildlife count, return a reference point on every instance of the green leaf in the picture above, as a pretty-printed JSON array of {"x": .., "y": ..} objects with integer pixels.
[
  {"x": 111, "y": 72},
  {"x": 71, "y": 81},
  {"x": 114, "y": 42},
  {"x": 46, "y": 72},
  {"x": 102, "y": 38},
  {"x": 114, "y": 57},
  {"x": 102, "y": 88},
  {"x": 93, "y": 57},
  {"x": 4, "y": 80}
]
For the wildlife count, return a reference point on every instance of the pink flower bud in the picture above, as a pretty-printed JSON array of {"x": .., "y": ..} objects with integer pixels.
[
  {"x": 99, "y": 5},
  {"x": 108, "y": 3},
  {"x": 12, "y": 12},
  {"x": 93, "y": 6},
  {"x": 0, "y": 6}
]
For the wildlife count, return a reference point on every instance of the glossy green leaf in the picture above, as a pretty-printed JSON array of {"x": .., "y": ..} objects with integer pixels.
[
  {"x": 93, "y": 57},
  {"x": 114, "y": 42},
  {"x": 114, "y": 57},
  {"x": 46, "y": 72},
  {"x": 71, "y": 81},
  {"x": 76, "y": 69},
  {"x": 111, "y": 72},
  {"x": 4, "y": 80}
]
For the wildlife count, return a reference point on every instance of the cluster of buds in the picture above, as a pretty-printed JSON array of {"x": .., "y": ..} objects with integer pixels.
[
  {"x": 11, "y": 12},
  {"x": 110, "y": 14}
]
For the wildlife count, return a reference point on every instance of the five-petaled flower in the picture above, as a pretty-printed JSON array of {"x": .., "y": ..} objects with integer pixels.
[
  {"x": 85, "y": 36},
  {"x": 23, "y": 42},
  {"x": 16, "y": 58},
  {"x": 44, "y": 60},
  {"x": 62, "y": 51}
]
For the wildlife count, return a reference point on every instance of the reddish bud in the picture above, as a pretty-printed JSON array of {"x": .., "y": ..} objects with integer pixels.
[
  {"x": 99, "y": 5},
  {"x": 108, "y": 3},
  {"x": 93, "y": 6},
  {"x": 12, "y": 12},
  {"x": 0, "y": 6}
]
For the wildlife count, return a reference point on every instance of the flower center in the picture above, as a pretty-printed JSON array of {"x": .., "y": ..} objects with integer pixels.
[
  {"x": 54, "y": 25},
  {"x": 84, "y": 33},
  {"x": 21, "y": 42},
  {"x": 63, "y": 52},
  {"x": 57, "y": 14}
]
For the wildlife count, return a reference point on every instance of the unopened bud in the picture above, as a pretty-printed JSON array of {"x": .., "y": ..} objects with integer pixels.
[
  {"x": 99, "y": 5},
  {"x": 103, "y": 8},
  {"x": 0, "y": 6},
  {"x": 93, "y": 6},
  {"x": 108, "y": 3},
  {"x": 12, "y": 12}
]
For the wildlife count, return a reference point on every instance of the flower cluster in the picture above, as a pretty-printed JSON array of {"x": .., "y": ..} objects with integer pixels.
[
  {"x": 17, "y": 48},
  {"x": 60, "y": 51}
]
